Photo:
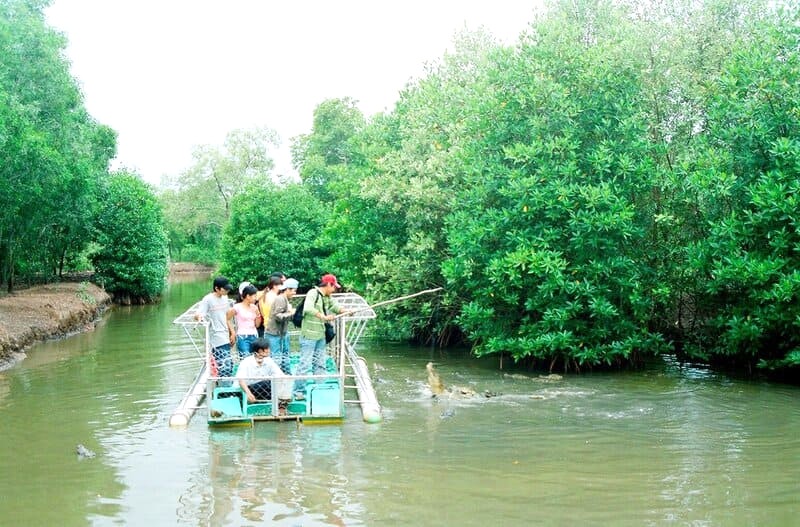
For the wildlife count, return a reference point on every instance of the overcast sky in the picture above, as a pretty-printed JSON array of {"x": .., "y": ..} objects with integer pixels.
[{"x": 169, "y": 75}]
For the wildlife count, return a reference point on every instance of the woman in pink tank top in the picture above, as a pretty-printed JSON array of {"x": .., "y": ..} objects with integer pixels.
[{"x": 247, "y": 317}]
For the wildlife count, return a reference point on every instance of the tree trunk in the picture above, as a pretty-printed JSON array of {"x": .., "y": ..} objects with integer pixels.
[{"x": 10, "y": 266}]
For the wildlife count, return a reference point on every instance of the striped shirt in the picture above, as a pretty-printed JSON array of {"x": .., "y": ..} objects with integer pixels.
[{"x": 313, "y": 328}]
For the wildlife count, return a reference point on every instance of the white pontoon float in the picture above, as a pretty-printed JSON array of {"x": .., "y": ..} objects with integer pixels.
[{"x": 325, "y": 396}]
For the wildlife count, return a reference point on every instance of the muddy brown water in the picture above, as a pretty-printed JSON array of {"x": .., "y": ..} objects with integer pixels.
[{"x": 668, "y": 446}]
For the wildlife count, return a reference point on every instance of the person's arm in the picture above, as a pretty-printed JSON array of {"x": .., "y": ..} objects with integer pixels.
[
  {"x": 261, "y": 303},
  {"x": 229, "y": 321},
  {"x": 284, "y": 311},
  {"x": 326, "y": 315},
  {"x": 202, "y": 310},
  {"x": 274, "y": 369},
  {"x": 259, "y": 319},
  {"x": 336, "y": 308},
  {"x": 310, "y": 305},
  {"x": 243, "y": 374},
  {"x": 246, "y": 389}
]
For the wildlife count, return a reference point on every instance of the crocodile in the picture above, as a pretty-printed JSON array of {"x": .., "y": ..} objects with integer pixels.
[
  {"x": 83, "y": 452},
  {"x": 438, "y": 388}
]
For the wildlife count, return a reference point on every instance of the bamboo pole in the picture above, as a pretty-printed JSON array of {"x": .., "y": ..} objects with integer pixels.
[{"x": 398, "y": 299}]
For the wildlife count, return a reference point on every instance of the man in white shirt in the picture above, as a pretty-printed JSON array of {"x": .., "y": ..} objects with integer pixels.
[
  {"x": 256, "y": 366},
  {"x": 214, "y": 309}
]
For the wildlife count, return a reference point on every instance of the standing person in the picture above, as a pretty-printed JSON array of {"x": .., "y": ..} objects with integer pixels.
[
  {"x": 277, "y": 326},
  {"x": 254, "y": 369},
  {"x": 267, "y": 297},
  {"x": 246, "y": 315},
  {"x": 318, "y": 308},
  {"x": 213, "y": 309}
]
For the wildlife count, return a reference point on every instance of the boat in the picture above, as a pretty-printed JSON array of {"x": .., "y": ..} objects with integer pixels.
[{"x": 346, "y": 381}]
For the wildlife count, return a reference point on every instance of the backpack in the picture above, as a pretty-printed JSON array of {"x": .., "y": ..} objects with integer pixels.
[{"x": 297, "y": 318}]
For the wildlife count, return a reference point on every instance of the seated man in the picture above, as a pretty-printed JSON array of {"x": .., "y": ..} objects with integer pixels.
[{"x": 258, "y": 365}]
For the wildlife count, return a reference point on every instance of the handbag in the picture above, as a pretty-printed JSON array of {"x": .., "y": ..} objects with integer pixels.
[{"x": 330, "y": 333}]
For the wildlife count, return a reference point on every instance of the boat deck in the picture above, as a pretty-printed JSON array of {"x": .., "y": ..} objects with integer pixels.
[{"x": 325, "y": 395}]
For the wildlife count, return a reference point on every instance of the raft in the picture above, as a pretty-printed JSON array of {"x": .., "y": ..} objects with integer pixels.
[{"x": 325, "y": 396}]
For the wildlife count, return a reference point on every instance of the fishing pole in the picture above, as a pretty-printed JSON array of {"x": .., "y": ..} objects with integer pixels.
[{"x": 383, "y": 303}]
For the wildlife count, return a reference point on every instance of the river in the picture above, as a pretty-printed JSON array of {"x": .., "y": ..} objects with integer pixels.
[{"x": 669, "y": 446}]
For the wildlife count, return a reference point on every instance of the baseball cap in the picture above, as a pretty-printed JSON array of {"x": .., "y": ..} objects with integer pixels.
[
  {"x": 290, "y": 283},
  {"x": 329, "y": 279}
]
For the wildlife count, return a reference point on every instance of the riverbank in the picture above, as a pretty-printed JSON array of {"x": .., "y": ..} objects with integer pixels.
[
  {"x": 48, "y": 311},
  {"x": 44, "y": 312},
  {"x": 186, "y": 267}
]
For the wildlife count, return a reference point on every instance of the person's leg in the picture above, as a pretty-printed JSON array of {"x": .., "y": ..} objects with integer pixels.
[
  {"x": 262, "y": 390},
  {"x": 243, "y": 345},
  {"x": 287, "y": 357},
  {"x": 222, "y": 356},
  {"x": 276, "y": 351},
  {"x": 320, "y": 354},
  {"x": 306, "y": 363}
]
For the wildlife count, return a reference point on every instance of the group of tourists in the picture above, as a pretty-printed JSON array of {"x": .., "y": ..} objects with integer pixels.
[{"x": 258, "y": 325}]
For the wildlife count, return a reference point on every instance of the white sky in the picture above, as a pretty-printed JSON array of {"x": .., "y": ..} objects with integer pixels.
[{"x": 169, "y": 75}]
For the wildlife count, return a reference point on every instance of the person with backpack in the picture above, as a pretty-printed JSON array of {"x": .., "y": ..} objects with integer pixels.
[
  {"x": 277, "y": 326},
  {"x": 318, "y": 308}
]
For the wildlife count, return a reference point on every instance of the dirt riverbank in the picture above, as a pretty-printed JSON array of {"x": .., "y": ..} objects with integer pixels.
[
  {"x": 50, "y": 311},
  {"x": 46, "y": 311},
  {"x": 183, "y": 267}
]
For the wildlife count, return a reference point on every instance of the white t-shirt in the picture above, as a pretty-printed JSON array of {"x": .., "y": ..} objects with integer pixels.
[
  {"x": 253, "y": 373},
  {"x": 250, "y": 370},
  {"x": 215, "y": 309}
]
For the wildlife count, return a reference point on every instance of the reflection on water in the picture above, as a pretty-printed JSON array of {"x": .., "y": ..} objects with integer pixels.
[
  {"x": 674, "y": 445},
  {"x": 280, "y": 474},
  {"x": 5, "y": 390}
]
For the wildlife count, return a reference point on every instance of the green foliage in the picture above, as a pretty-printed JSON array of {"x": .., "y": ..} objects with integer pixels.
[
  {"x": 323, "y": 154},
  {"x": 411, "y": 181},
  {"x": 749, "y": 262},
  {"x": 548, "y": 241},
  {"x": 53, "y": 154},
  {"x": 274, "y": 229},
  {"x": 197, "y": 204},
  {"x": 619, "y": 183},
  {"x": 342, "y": 161},
  {"x": 131, "y": 261}
]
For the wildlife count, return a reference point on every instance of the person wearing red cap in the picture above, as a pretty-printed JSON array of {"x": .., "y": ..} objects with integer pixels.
[{"x": 319, "y": 307}]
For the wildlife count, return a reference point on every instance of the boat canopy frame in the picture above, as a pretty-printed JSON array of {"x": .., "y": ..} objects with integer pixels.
[{"x": 349, "y": 330}]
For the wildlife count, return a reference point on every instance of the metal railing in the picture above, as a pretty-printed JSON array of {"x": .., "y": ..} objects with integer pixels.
[{"x": 349, "y": 330}]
